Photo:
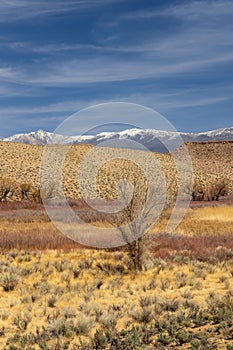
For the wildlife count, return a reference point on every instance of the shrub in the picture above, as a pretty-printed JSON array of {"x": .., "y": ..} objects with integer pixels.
[
  {"x": 182, "y": 337},
  {"x": 61, "y": 327},
  {"x": 212, "y": 192},
  {"x": 217, "y": 190},
  {"x": 36, "y": 196},
  {"x": 83, "y": 325},
  {"x": 100, "y": 340},
  {"x": 182, "y": 279},
  {"x": 165, "y": 283},
  {"x": 22, "y": 320},
  {"x": 25, "y": 189},
  {"x": 52, "y": 301},
  {"x": 143, "y": 315},
  {"x": 49, "y": 191},
  {"x": 7, "y": 189},
  {"x": 9, "y": 282},
  {"x": 164, "y": 339}
]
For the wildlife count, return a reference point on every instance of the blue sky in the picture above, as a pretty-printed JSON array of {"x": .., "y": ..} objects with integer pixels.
[{"x": 59, "y": 56}]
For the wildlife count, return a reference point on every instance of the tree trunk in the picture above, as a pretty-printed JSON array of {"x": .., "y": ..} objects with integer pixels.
[{"x": 135, "y": 253}]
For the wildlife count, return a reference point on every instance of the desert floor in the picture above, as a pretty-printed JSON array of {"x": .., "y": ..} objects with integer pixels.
[{"x": 55, "y": 294}]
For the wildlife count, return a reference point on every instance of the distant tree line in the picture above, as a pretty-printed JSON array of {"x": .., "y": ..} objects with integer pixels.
[
  {"x": 210, "y": 192},
  {"x": 11, "y": 190}
]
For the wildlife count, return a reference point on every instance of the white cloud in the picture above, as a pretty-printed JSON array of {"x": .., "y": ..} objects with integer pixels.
[
  {"x": 59, "y": 108},
  {"x": 8, "y": 73},
  {"x": 13, "y": 10},
  {"x": 49, "y": 116},
  {"x": 178, "y": 99},
  {"x": 110, "y": 69},
  {"x": 202, "y": 29},
  {"x": 205, "y": 41},
  {"x": 202, "y": 43},
  {"x": 191, "y": 10}
]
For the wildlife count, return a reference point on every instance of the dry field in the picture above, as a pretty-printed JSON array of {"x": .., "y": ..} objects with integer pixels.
[
  {"x": 56, "y": 300},
  {"x": 57, "y": 295}
]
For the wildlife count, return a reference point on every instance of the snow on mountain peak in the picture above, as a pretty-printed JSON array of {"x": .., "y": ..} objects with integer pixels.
[{"x": 150, "y": 138}]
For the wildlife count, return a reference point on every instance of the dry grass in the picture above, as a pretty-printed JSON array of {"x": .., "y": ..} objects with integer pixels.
[
  {"x": 79, "y": 291},
  {"x": 207, "y": 221},
  {"x": 220, "y": 214},
  {"x": 200, "y": 221},
  {"x": 183, "y": 297},
  {"x": 25, "y": 227}
]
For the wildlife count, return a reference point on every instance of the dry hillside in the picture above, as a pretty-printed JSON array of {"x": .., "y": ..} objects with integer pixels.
[
  {"x": 22, "y": 163},
  {"x": 213, "y": 157}
]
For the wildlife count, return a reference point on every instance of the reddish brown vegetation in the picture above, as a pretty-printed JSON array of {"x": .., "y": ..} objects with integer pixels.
[
  {"x": 166, "y": 246},
  {"x": 202, "y": 247},
  {"x": 36, "y": 240}
]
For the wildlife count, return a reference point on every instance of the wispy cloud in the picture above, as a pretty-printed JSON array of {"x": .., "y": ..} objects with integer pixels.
[
  {"x": 109, "y": 69},
  {"x": 200, "y": 9},
  {"x": 191, "y": 10},
  {"x": 61, "y": 107},
  {"x": 178, "y": 99},
  {"x": 7, "y": 91},
  {"x": 202, "y": 28},
  {"x": 8, "y": 73},
  {"x": 13, "y": 10},
  {"x": 50, "y": 115},
  {"x": 205, "y": 41},
  {"x": 124, "y": 55}
]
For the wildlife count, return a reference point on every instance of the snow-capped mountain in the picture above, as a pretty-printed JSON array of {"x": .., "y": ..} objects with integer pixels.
[
  {"x": 158, "y": 140},
  {"x": 38, "y": 137},
  {"x": 155, "y": 140}
]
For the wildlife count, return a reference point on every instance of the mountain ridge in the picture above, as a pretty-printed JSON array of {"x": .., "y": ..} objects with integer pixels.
[{"x": 154, "y": 140}]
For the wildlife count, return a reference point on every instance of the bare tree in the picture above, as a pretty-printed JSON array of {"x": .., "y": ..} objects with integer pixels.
[
  {"x": 211, "y": 192},
  {"x": 25, "y": 189},
  {"x": 49, "y": 191},
  {"x": 7, "y": 189},
  {"x": 217, "y": 190},
  {"x": 36, "y": 195},
  {"x": 137, "y": 217}
]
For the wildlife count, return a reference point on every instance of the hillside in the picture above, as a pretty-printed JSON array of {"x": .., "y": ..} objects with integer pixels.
[
  {"x": 213, "y": 157},
  {"x": 21, "y": 162}
]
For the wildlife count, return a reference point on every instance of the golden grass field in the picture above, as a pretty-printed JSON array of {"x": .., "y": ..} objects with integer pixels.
[
  {"x": 56, "y": 294},
  {"x": 69, "y": 297}
]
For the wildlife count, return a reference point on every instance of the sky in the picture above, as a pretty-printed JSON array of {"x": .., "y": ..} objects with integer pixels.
[{"x": 60, "y": 56}]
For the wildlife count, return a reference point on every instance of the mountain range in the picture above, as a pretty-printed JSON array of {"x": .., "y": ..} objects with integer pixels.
[{"x": 154, "y": 140}]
